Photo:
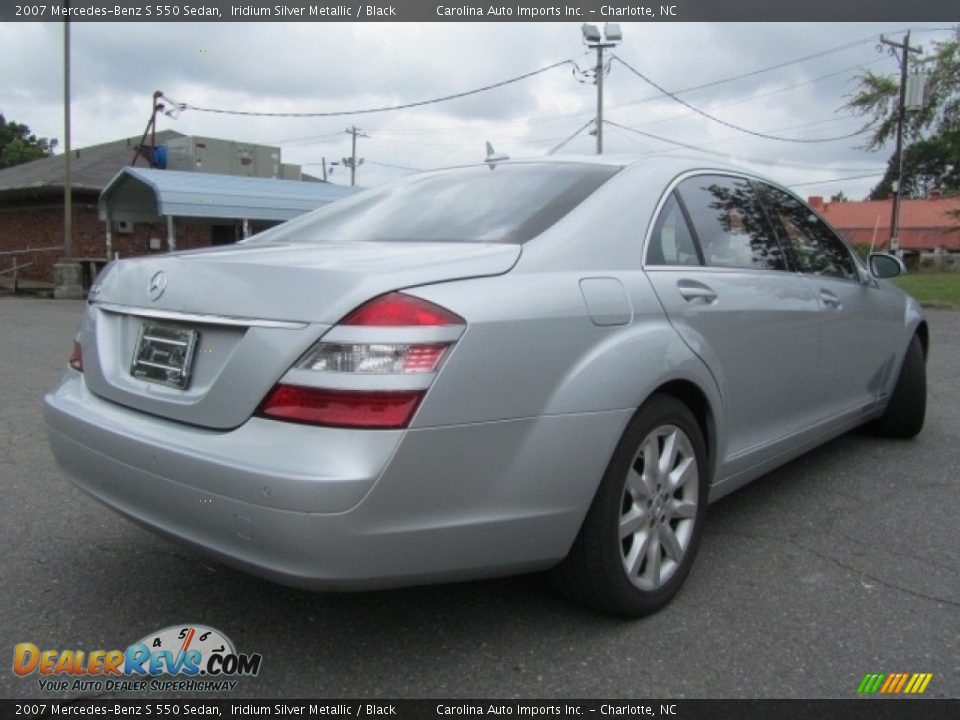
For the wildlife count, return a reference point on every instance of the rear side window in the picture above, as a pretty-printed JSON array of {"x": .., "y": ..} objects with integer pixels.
[
  {"x": 730, "y": 223},
  {"x": 509, "y": 203},
  {"x": 671, "y": 242},
  {"x": 815, "y": 247}
]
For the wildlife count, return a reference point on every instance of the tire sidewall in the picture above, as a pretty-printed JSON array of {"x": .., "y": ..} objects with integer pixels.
[{"x": 659, "y": 410}]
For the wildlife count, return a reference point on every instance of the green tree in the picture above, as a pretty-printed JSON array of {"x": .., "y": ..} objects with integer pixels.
[
  {"x": 928, "y": 163},
  {"x": 18, "y": 145},
  {"x": 931, "y": 156}
]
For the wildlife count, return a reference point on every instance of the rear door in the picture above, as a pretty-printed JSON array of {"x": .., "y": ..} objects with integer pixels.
[
  {"x": 724, "y": 282},
  {"x": 861, "y": 324}
]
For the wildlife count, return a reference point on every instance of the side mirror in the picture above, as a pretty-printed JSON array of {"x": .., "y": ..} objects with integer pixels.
[{"x": 885, "y": 266}]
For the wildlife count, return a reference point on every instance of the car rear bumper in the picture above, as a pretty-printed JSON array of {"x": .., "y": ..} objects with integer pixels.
[{"x": 342, "y": 509}]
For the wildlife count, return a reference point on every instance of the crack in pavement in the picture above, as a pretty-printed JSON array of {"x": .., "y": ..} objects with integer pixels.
[{"x": 838, "y": 563}]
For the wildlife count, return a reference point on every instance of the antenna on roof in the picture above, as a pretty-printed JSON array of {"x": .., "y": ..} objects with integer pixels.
[{"x": 493, "y": 157}]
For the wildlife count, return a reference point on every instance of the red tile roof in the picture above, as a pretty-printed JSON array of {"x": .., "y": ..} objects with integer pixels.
[{"x": 923, "y": 223}]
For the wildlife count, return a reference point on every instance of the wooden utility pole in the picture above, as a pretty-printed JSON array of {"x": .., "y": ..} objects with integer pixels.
[
  {"x": 67, "y": 175},
  {"x": 905, "y": 49},
  {"x": 353, "y": 161}
]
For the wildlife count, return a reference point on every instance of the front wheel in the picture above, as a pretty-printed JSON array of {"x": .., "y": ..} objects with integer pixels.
[
  {"x": 906, "y": 409},
  {"x": 642, "y": 530}
]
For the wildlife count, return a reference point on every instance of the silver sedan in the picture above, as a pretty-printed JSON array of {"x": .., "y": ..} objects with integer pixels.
[{"x": 521, "y": 366}]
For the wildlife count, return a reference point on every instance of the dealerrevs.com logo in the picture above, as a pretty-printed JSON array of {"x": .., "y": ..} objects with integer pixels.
[{"x": 178, "y": 658}]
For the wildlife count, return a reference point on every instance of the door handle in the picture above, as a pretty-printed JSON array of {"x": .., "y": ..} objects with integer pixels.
[
  {"x": 830, "y": 300},
  {"x": 696, "y": 292}
]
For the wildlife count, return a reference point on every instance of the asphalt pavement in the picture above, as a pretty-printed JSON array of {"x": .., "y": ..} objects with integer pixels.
[{"x": 842, "y": 563}]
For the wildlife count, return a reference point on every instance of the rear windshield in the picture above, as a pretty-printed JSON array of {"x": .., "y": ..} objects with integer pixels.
[{"x": 510, "y": 203}]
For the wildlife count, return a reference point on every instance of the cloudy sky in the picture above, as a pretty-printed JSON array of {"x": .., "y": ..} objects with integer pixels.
[{"x": 316, "y": 67}]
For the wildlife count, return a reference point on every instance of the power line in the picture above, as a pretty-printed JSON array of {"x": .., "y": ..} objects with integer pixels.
[
  {"x": 707, "y": 115},
  {"x": 753, "y": 98},
  {"x": 548, "y": 118},
  {"x": 720, "y": 81},
  {"x": 576, "y": 132},
  {"x": 694, "y": 88},
  {"x": 368, "y": 111},
  {"x": 666, "y": 140},
  {"x": 739, "y": 138},
  {"x": 307, "y": 138},
  {"x": 395, "y": 167},
  {"x": 727, "y": 156},
  {"x": 786, "y": 63},
  {"x": 833, "y": 180}
]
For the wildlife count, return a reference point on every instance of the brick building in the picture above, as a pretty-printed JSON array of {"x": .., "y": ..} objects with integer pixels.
[
  {"x": 32, "y": 210},
  {"x": 925, "y": 225}
]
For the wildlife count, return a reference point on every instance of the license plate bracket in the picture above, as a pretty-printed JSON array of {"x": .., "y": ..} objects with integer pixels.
[{"x": 164, "y": 354}]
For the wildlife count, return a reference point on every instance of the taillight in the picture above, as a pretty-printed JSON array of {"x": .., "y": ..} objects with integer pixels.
[
  {"x": 337, "y": 394},
  {"x": 396, "y": 309},
  {"x": 76, "y": 357},
  {"x": 342, "y": 408},
  {"x": 374, "y": 358}
]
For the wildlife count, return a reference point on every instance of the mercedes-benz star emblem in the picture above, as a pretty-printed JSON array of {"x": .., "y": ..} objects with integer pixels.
[{"x": 158, "y": 283}]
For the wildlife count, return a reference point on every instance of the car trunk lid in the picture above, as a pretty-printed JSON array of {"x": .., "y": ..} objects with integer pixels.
[{"x": 235, "y": 319}]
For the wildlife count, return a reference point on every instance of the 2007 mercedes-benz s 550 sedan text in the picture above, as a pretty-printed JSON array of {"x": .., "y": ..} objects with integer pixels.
[{"x": 517, "y": 366}]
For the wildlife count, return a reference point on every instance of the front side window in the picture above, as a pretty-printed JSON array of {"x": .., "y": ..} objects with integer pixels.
[
  {"x": 816, "y": 249},
  {"x": 671, "y": 242},
  {"x": 730, "y": 223}
]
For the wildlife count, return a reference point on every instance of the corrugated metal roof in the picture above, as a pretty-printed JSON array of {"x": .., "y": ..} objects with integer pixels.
[{"x": 205, "y": 195}]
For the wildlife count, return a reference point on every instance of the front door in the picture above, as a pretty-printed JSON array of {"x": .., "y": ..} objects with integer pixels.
[{"x": 861, "y": 324}]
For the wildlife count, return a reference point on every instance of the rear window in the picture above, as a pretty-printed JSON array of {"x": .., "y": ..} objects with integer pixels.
[{"x": 510, "y": 203}]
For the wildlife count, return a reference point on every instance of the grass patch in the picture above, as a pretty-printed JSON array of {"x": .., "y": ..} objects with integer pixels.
[{"x": 936, "y": 289}]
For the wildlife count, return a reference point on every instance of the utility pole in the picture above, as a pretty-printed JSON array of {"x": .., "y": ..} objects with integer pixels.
[
  {"x": 905, "y": 49},
  {"x": 611, "y": 37},
  {"x": 600, "y": 99},
  {"x": 67, "y": 177},
  {"x": 353, "y": 161}
]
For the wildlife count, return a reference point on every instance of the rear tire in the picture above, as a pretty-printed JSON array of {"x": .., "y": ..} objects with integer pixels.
[
  {"x": 641, "y": 533},
  {"x": 905, "y": 412}
]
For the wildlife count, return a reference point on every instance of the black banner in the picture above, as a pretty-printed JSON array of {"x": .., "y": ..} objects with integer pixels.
[
  {"x": 473, "y": 10},
  {"x": 862, "y": 709}
]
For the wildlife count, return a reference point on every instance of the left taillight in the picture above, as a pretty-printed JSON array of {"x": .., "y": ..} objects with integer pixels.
[
  {"x": 383, "y": 410},
  {"x": 331, "y": 383},
  {"x": 76, "y": 357}
]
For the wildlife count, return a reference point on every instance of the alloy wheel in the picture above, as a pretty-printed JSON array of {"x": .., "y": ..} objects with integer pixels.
[{"x": 659, "y": 507}]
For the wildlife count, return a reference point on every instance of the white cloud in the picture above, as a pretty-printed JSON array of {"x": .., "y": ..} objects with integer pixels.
[{"x": 318, "y": 67}]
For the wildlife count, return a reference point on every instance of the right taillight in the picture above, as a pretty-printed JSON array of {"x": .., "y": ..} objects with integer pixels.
[
  {"x": 330, "y": 384},
  {"x": 76, "y": 357}
]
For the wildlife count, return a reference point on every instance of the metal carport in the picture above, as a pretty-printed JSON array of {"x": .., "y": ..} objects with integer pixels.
[{"x": 149, "y": 195}]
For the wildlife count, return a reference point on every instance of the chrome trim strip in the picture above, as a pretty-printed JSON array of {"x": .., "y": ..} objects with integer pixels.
[
  {"x": 164, "y": 341},
  {"x": 197, "y": 317},
  {"x": 348, "y": 334},
  {"x": 362, "y": 382}
]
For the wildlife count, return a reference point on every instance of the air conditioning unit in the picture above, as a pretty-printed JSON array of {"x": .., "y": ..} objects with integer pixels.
[{"x": 124, "y": 227}]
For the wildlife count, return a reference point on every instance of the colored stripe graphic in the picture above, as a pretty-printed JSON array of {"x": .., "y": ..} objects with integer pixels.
[
  {"x": 871, "y": 682},
  {"x": 895, "y": 683}
]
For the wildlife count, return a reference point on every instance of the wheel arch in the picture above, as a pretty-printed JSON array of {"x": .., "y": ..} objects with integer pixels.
[{"x": 691, "y": 395}]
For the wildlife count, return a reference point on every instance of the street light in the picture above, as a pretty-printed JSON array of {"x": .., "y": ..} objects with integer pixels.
[{"x": 612, "y": 36}]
